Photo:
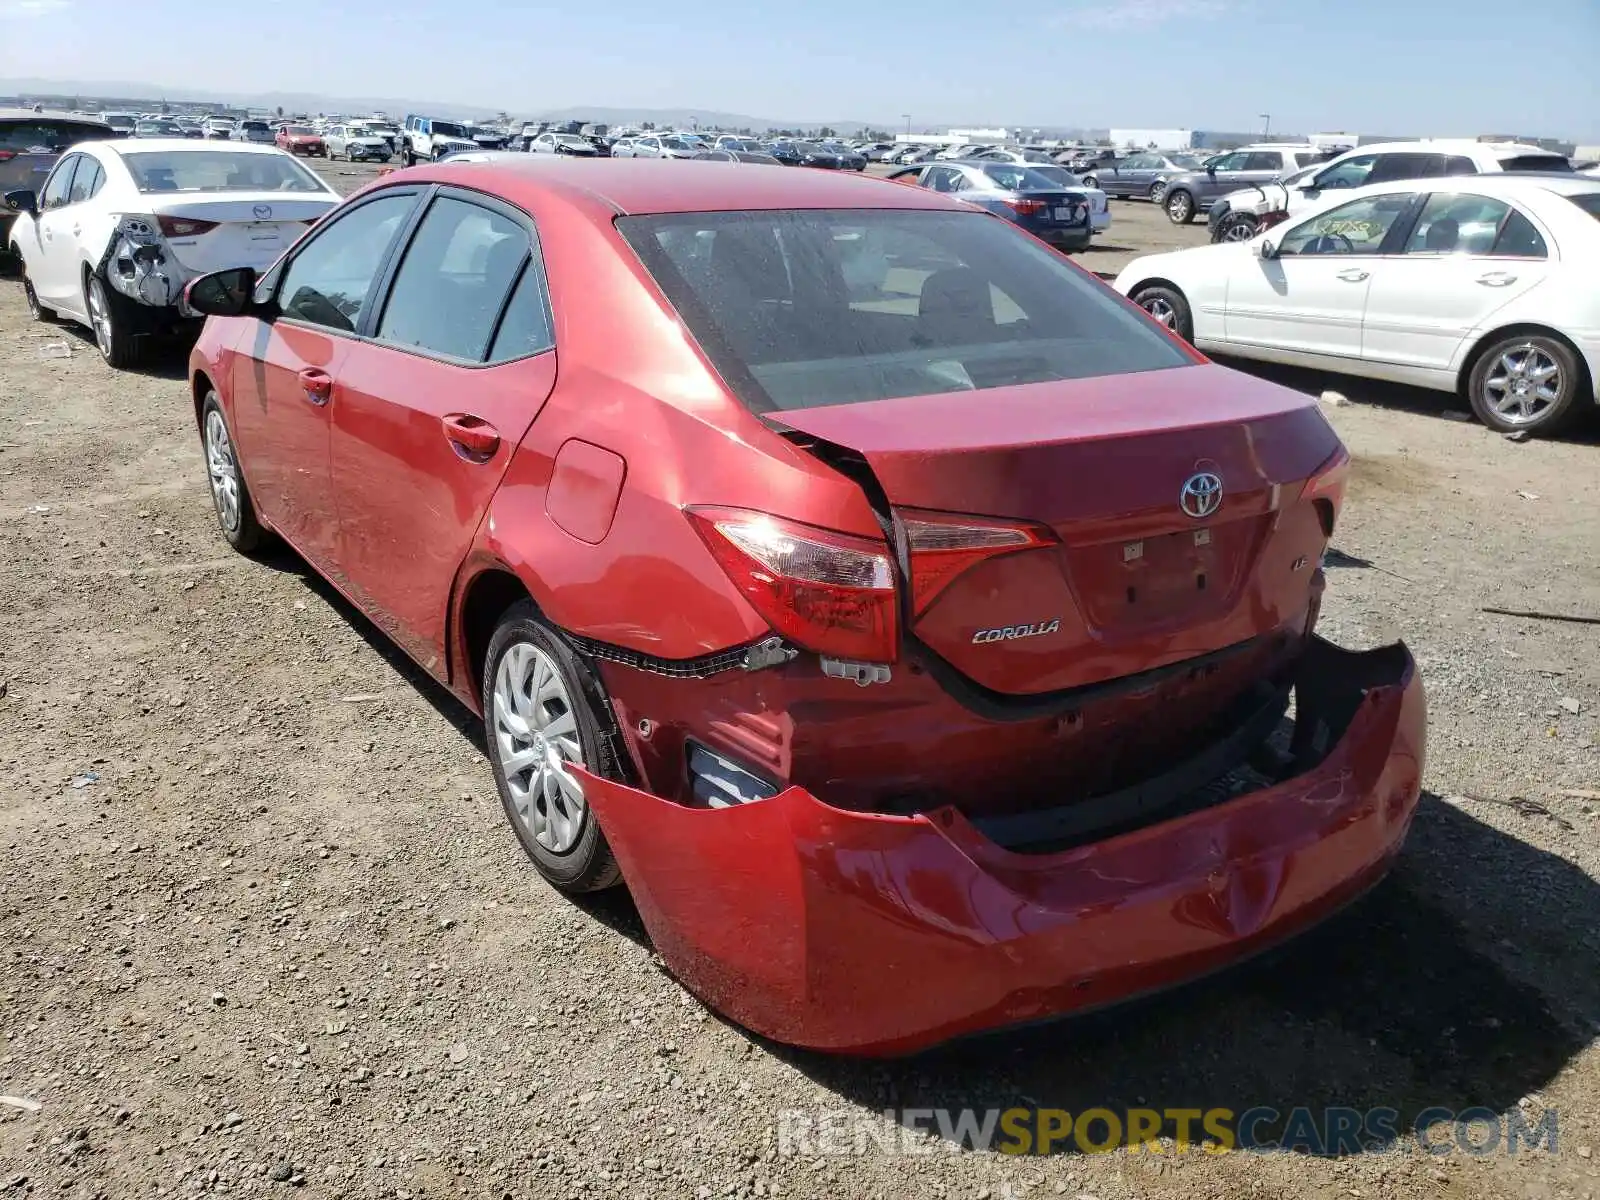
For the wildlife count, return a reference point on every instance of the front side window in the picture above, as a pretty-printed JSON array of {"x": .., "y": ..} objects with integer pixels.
[
  {"x": 328, "y": 281},
  {"x": 1358, "y": 227},
  {"x": 454, "y": 280},
  {"x": 59, "y": 186},
  {"x": 1229, "y": 162},
  {"x": 1351, "y": 173},
  {"x": 801, "y": 309},
  {"x": 219, "y": 171},
  {"x": 1263, "y": 160}
]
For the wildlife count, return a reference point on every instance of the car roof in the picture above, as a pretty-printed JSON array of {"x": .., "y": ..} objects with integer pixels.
[
  {"x": 190, "y": 145},
  {"x": 631, "y": 186},
  {"x": 49, "y": 114},
  {"x": 1456, "y": 145}
]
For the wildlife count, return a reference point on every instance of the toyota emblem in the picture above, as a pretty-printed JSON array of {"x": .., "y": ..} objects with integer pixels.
[
  {"x": 261, "y": 211},
  {"x": 1201, "y": 495}
]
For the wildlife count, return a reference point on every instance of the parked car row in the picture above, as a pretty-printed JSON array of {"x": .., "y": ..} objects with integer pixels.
[{"x": 1479, "y": 284}]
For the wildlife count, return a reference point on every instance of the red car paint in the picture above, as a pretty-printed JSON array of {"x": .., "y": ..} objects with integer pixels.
[
  {"x": 878, "y": 934},
  {"x": 415, "y": 482},
  {"x": 300, "y": 143}
]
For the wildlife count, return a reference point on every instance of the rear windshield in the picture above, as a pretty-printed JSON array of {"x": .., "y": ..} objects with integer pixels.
[
  {"x": 1017, "y": 178},
  {"x": 1589, "y": 202},
  {"x": 804, "y": 309},
  {"x": 46, "y": 137},
  {"x": 1058, "y": 176},
  {"x": 218, "y": 171},
  {"x": 253, "y": 125},
  {"x": 1553, "y": 163},
  {"x": 300, "y": 130}
]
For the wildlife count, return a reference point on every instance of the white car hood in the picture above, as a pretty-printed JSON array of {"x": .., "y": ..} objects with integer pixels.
[
  {"x": 1175, "y": 262},
  {"x": 1259, "y": 199}
]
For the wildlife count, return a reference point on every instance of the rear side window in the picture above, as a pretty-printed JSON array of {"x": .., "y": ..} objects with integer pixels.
[
  {"x": 1590, "y": 203},
  {"x": 1551, "y": 163},
  {"x": 803, "y": 309},
  {"x": 454, "y": 280}
]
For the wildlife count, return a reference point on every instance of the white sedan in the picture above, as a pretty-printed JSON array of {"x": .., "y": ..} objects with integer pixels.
[
  {"x": 1483, "y": 285},
  {"x": 120, "y": 227}
]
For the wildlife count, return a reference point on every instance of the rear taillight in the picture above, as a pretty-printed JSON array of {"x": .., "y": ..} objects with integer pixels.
[
  {"x": 1325, "y": 488},
  {"x": 184, "y": 226},
  {"x": 829, "y": 592},
  {"x": 1027, "y": 208},
  {"x": 944, "y": 546},
  {"x": 7, "y": 155}
]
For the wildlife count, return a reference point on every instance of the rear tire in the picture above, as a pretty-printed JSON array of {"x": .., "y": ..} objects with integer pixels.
[
  {"x": 1168, "y": 307},
  {"x": 1180, "y": 207},
  {"x": 108, "y": 318},
  {"x": 543, "y": 708},
  {"x": 1551, "y": 376}
]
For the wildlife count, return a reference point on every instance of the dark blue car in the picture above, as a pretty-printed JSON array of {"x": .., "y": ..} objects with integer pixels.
[{"x": 1015, "y": 191}]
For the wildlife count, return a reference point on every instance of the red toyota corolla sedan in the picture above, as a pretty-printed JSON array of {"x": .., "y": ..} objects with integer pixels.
[{"x": 923, "y": 635}]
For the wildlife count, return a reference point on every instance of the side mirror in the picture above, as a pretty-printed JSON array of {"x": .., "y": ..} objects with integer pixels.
[
  {"x": 23, "y": 201},
  {"x": 1266, "y": 249},
  {"x": 223, "y": 293}
]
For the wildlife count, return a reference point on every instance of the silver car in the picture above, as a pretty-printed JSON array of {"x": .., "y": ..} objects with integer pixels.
[
  {"x": 254, "y": 131},
  {"x": 1190, "y": 193},
  {"x": 355, "y": 144},
  {"x": 1140, "y": 176},
  {"x": 653, "y": 145}
]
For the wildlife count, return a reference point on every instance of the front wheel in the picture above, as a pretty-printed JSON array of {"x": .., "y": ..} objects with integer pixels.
[
  {"x": 108, "y": 318},
  {"x": 236, "y": 513},
  {"x": 1090, "y": 181},
  {"x": 1527, "y": 381},
  {"x": 1237, "y": 227},
  {"x": 1180, "y": 207},
  {"x": 1168, "y": 307},
  {"x": 39, "y": 312},
  {"x": 543, "y": 713}
]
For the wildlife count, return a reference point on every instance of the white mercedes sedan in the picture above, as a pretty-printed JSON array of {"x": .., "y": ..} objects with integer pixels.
[
  {"x": 1483, "y": 285},
  {"x": 120, "y": 227}
]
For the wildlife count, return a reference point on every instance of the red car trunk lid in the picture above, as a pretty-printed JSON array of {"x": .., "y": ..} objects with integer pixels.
[{"x": 1137, "y": 581}]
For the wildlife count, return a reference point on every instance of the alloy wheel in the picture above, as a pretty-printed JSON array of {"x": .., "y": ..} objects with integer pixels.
[
  {"x": 1178, "y": 207},
  {"x": 535, "y": 734},
  {"x": 1523, "y": 383},
  {"x": 1161, "y": 311},
  {"x": 100, "y": 316},
  {"x": 1238, "y": 231},
  {"x": 32, "y": 297},
  {"x": 224, "y": 471}
]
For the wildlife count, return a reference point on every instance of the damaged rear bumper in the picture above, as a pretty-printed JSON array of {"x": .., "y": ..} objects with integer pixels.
[{"x": 881, "y": 934}]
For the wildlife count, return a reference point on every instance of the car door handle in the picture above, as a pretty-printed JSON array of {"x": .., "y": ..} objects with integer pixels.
[
  {"x": 475, "y": 438},
  {"x": 77, "y": 231},
  {"x": 1497, "y": 279},
  {"x": 1352, "y": 275},
  {"x": 318, "y": 385}
]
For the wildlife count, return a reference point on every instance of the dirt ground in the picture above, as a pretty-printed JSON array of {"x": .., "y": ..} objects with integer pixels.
[{"x": 262, "y": 924}]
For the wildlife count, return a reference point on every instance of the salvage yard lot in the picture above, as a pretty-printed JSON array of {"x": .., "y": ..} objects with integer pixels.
[{"x": 262, "y": 920}]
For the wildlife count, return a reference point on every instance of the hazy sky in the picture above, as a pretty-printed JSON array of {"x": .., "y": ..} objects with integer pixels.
[{"x": 1364, "y": 66}]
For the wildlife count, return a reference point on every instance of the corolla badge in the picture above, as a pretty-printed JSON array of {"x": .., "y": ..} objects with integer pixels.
[
  {"x": 261, "y": 211},
  {"x": 1010, "y": 633},
  {"x": 1201, "y": 495}
]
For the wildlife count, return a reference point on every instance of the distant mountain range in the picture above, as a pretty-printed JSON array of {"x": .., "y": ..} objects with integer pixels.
[
  {"x": 124, "y": 91},
  {"x": 306, "y": 102}
]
